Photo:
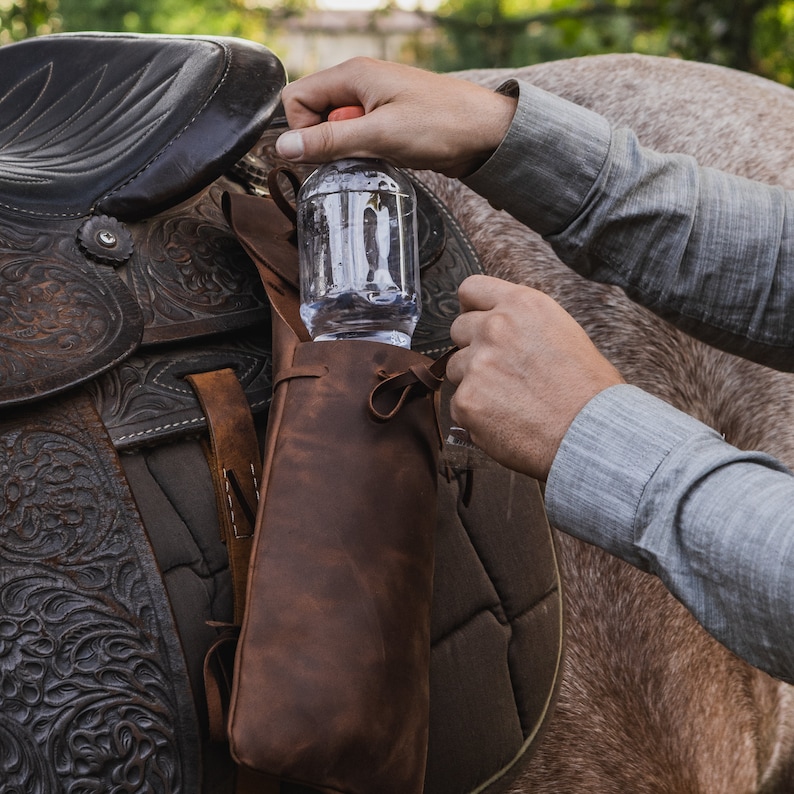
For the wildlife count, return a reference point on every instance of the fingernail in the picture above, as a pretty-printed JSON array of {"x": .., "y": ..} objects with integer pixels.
[{"x": 290, "y": 145}]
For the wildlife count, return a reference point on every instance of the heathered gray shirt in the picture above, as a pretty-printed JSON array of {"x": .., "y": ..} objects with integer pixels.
[{"x": 714, "y": 254}]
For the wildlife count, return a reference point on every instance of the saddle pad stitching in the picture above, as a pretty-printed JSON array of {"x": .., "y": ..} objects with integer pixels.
[
  {"x": 221, "y": 82},
  {"x": 463, "y": 623},
  {"x": 509, "y": 621},
  {"x": 505, "y": 621},
  {"x": 205, "y": 575},
  {"x": 515, "y": 678},
  {"x": 540, "y": 722},
  {"x": 209, "y": 584},
  {"x": 500, "y": 596},
  {"x": 194, "y": 421}
]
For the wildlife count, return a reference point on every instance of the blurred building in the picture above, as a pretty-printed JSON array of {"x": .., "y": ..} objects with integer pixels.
[{"x": 316, "y": 39}]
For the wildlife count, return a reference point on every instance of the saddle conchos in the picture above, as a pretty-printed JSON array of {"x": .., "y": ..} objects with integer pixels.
[{"x": 135, "y": 382}]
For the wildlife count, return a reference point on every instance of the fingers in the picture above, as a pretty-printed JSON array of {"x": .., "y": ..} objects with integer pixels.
[
  {"x": 457, "y": 366},
  {"x": 524, "y": 370},
  {"x": 413, "y": 118},
  {"x": 320, "y": 129},
  {"x": 329, "y": 140},
  {"x": 480, "y": 294},
  {"x": 291, "y": 145},
  {"x": 308, "y": 100}
]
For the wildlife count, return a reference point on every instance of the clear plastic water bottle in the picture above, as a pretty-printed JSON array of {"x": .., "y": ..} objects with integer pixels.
[{"x": 358, "y": 252}]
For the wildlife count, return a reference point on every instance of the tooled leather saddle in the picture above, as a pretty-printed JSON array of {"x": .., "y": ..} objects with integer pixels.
[{"x": 122, "y": 289}]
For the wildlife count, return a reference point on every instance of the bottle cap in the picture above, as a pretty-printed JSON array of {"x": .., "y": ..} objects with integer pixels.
[{"x": 346, "y": 112}]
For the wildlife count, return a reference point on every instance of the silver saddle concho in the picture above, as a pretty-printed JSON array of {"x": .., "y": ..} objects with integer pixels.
[{"x": 120, "y": 281}]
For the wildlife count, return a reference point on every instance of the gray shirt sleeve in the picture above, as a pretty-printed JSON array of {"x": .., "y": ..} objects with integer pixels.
[
  {"x": 667, "y": 494},
  {"x": 711, "y": 252},
  {"x": 634, "y": 475}
]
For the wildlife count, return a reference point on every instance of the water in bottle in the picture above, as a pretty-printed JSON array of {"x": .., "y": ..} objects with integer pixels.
[{"x": 359, "y": 258}]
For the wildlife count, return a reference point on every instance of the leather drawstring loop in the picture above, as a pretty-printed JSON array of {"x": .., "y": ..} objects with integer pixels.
[
  {"x": 217, "y": 672},
  {"x": 424, "y": 375},
  {"x": 401, "y": 384},
  {"x": 418, "y": 379},
  {"x": 277, "y": 194},
  {"x": 309, "y": 371}
]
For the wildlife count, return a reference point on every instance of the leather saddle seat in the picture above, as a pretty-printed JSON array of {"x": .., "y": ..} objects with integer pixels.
[{"x": 96, "y": 131}]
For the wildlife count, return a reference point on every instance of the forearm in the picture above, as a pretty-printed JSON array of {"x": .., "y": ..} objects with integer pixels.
[
  {"x": 711, "y": 252},
  {"x": 666, "y": 493}
]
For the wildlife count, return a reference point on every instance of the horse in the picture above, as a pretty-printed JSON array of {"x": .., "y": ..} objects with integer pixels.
[{"x": 119, "y": 281}]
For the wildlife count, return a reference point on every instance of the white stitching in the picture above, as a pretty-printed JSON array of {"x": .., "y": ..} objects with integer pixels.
[
  {"x": 162, "y": 427},
  {"x": 196, "y": 420},
  {"x": 227, "y": 488},
  {"x": 256, "y": 482}
]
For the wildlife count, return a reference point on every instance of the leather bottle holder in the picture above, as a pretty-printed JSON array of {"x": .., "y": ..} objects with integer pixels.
[{"x": 331, "y": 680}]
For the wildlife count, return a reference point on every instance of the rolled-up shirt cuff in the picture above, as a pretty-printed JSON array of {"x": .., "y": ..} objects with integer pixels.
[
  {"x": 552, "y": 148},
  {"x": 604, "y": 464}
]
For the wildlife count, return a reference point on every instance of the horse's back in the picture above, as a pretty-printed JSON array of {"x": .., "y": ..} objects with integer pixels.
[{"x": 730, "y": 120}]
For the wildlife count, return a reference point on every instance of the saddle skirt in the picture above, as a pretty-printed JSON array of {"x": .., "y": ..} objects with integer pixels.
[{"x": 119, "y": 276}]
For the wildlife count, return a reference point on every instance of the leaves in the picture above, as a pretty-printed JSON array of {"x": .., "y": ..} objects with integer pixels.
[{"x": 752, "y": 35}]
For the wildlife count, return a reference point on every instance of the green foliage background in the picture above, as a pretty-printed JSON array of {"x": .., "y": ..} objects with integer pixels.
[{"x": 752, "y": 35}]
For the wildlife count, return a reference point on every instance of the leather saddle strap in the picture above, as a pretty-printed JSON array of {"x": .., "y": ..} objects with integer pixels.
[{"x": 235, "y": 461}]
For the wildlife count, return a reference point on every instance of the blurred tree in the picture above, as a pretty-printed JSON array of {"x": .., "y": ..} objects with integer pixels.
[
  {"x": 752, "y": 35},
  {"x": 220, "y": 17},
  {"x": 774, "y": 41},
  {"x": 20, "y": 19}
]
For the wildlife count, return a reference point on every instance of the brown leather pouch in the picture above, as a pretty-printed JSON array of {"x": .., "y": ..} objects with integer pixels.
[{"x": 331, "y": 681}]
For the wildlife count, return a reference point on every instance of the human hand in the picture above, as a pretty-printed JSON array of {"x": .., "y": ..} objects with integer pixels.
[
  {"x": 412, "y": 118},
  {"x": 524, "y": 370}
]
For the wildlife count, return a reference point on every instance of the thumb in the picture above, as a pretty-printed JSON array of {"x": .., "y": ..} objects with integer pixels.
[
  {"x": 290, "y": 145},
  {"x": 329, "y": 140}
]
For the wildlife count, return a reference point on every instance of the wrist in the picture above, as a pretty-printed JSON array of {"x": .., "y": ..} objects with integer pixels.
[{"x": 493, "y": 128}]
